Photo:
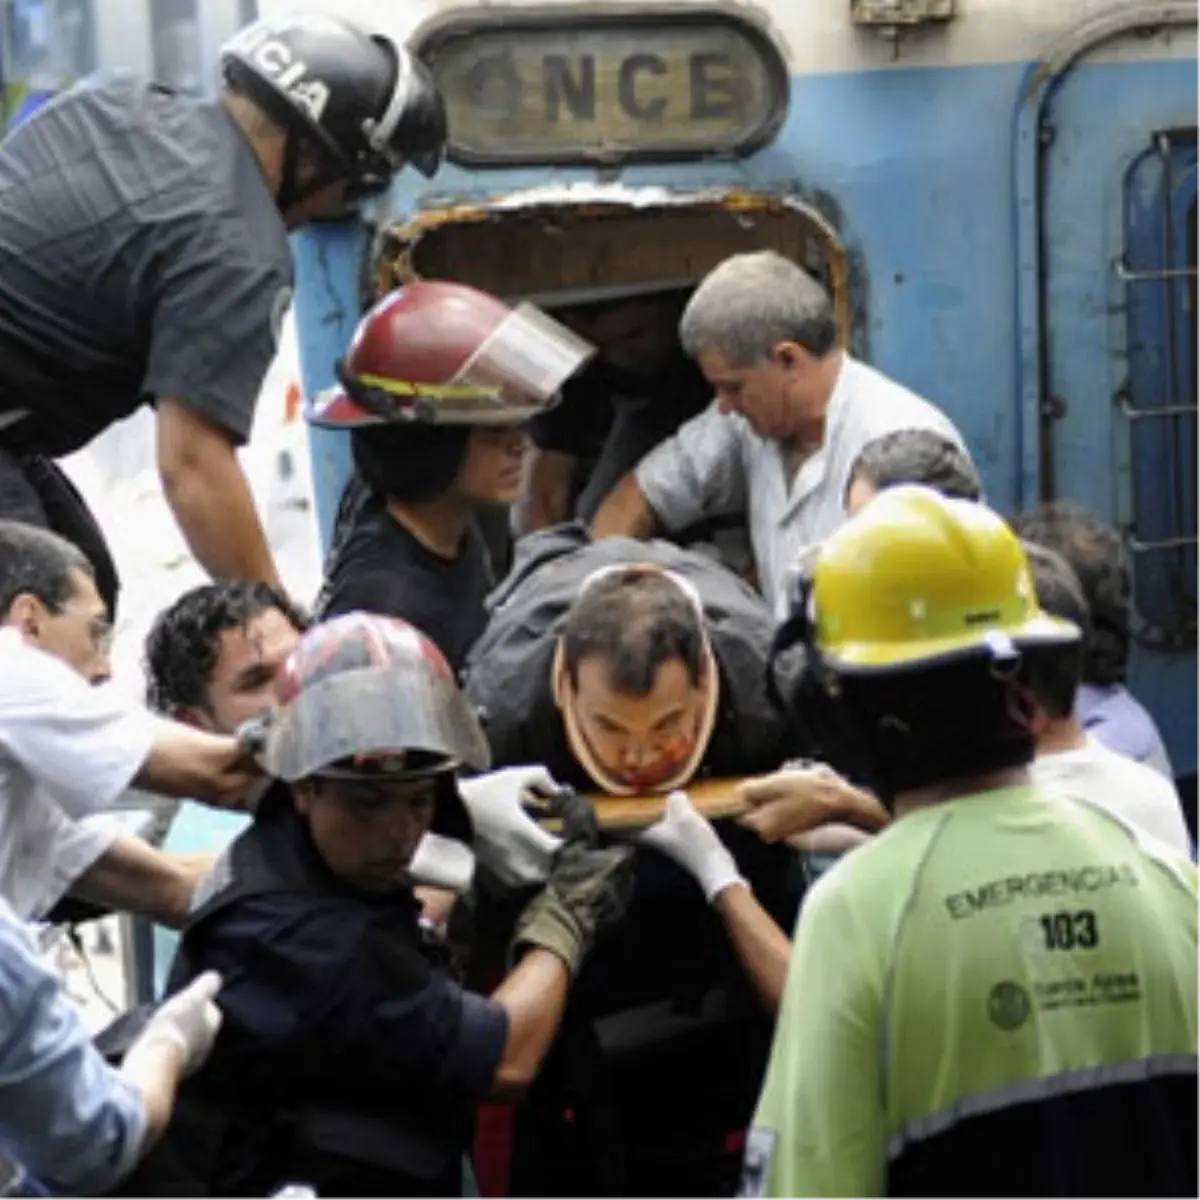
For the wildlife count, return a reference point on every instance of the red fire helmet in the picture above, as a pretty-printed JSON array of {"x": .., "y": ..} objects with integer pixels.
[{"x": 447, "y": 353}]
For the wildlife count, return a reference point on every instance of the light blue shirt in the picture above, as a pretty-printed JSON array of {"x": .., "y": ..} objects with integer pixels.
[
  {"x": 1112, "y": 716},
  {"x": 71, "y": 1121}
]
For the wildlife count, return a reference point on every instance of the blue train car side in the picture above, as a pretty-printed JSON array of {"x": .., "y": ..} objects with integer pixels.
[{"x": 1009, "y": 194}]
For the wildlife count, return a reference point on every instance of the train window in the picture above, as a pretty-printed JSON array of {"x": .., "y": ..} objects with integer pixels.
[
  {"x": 175, "y": 39},
  {"x": 47, "y": 45},
  {"x": 75, "y": 38},
  {"x": 1159, "y": 398},
  {"x": 247, "y": 11},
  {"x": 27, "y": 38}
]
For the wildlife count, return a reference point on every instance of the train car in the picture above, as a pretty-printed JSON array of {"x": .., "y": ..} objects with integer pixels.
[{"x": 1000, "y": 194}]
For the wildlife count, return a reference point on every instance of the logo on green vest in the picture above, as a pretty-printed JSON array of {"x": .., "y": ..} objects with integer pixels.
[{"x": 1008, "y": 1006}]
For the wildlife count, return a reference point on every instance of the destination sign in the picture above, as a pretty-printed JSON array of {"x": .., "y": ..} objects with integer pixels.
[{"x": 606, "y": 88}]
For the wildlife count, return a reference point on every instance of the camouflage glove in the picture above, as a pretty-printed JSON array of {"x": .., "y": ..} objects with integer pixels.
[{"x": 588, "y": 889}]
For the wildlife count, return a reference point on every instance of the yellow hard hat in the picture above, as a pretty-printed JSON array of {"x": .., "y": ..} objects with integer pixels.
[{"x": 917, "y": 577}]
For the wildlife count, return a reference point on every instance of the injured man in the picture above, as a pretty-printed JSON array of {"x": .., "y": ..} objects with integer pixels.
[{"x": 631, "y": 669}]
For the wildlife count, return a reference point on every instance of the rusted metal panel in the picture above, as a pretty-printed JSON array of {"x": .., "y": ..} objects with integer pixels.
[{"x": 573, "y": 239}]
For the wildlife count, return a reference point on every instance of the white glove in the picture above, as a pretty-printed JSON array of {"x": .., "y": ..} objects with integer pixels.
[
  {"x": 443, "y": 863},
  {"x": 684, "y": 836},
  {"x": 190, "y": 1019},
  {"x": 507, "y": 839}
]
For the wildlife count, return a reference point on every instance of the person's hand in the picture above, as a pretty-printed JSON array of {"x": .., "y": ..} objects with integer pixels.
[
  {"x": 189, "y": 1020},
  {"x": 687, "y": 838},
  {"x": 801, "y": 798},
  {"x": 589, "y": 889},
  {"x": 234, "y": 778},
  {"x": 442, "y": 862},
  {"x": 508, "y": 841}
]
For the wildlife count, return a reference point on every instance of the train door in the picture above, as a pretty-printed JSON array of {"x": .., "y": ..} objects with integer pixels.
[
  {"x": 600, "y": 243},
  {"x": 1118, "y": 335},
  {"x": 595, "y": 153}
]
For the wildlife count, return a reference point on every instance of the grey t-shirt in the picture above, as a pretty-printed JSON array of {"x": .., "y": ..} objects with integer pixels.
[{"x": 141, "y": 256}]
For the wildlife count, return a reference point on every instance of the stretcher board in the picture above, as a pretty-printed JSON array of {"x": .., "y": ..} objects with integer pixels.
[{"x": 715, "y": 799}]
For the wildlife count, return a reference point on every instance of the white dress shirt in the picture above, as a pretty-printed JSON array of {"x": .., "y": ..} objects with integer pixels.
[
  {"x": 715, "y": 464},
  {"x": 68, "y": 750}
]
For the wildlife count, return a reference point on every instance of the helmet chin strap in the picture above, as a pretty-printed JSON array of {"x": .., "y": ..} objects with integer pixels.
[{"x": 291, "y": 191}]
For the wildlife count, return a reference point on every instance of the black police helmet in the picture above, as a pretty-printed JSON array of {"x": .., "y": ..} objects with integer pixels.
[{"x": 369, "y": 104}]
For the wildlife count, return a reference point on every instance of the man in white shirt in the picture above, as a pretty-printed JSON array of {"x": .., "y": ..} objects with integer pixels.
[
  {"x": 69, "y": 746},
  {"x": 1069, "y": 762},
  {"x": 1096, "y": 552},
  {"x": 792, "y": 413}
]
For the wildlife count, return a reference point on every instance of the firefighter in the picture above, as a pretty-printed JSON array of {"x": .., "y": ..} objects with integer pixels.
[
  {"x": 347, "y": 1059},
  {"x": 996, "y": 995},
  {"x": 436, "y": 389},
  {"x": 144, "y": 260}
]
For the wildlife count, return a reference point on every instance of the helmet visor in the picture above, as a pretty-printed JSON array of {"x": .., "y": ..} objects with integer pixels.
[{"x": 520, "y": 367}]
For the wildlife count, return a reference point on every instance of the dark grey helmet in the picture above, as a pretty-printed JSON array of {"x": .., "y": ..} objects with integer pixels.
[
  {"x": 366, "y": 102},
  {"x": 370, "y": 697}
]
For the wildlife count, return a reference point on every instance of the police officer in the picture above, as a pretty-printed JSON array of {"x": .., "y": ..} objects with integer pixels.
[
  {"x": 144, "y": 259},
  {"x": 996, "y": 995},
  {"x": 347, "y": 1059}
]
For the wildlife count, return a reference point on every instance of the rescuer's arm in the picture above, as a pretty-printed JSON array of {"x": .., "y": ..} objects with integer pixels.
[
  {"x": 624, "y": 512},
  {"x": 132, "y": 876},
  {"x": 761, "y": 946},
  {"x": 684, "y": 836},
  {"x": 798, "y": 804},
  {"x": 221, "y": 291},
  {"x": 208, "y": 492},
  {"x": 831, "y": 839},
  {"x": 76, "y": 1124},
  {"x": 588, "y": 889},
  {"x": 533, "y": 997},
  {"x": 696, "y": 473},
  {"x": 86, "y": 745},
  {"x": 560, "y": 438},
  {"x": 69, "y": 1118},
  {"x": 193, "y": 764},
  {"x": 176, "y": 1042},
  {"x": 545, "y": 498}
]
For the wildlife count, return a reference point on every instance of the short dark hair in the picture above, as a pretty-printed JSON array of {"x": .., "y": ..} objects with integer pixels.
[
  {"x": 410, "y": 462},
  {"x": 1097, "y": 556},
  {"x": 36, "y": 562},
  {"x": 901, "y": 730},
  {"x": 634, "y": 619},
  {"x": 1053, "y": 672},
  {"x": 182, "y": 646},
  {"x": 918, "y": 456}
]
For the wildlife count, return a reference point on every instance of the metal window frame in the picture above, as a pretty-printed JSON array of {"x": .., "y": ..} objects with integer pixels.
[{"x": 1177, "y": 629}]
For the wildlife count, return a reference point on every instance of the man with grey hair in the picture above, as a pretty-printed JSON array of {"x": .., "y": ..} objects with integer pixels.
[{"x": 793, "y": 411}]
